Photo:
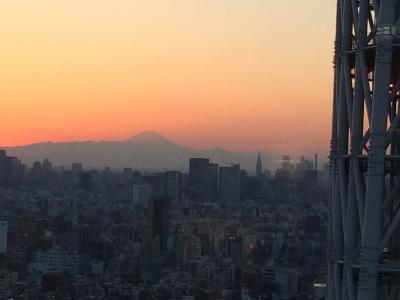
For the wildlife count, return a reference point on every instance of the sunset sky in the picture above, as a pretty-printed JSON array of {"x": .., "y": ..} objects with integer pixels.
[{"x": 239, "y": 74}]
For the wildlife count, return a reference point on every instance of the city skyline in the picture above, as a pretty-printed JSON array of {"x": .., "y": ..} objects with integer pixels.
[
  {"x": 145, "y": 151},
  {"x": 214, "y": 232},
  {"x": 205, "y": 74},
  {"x": 188, "y": 150}
]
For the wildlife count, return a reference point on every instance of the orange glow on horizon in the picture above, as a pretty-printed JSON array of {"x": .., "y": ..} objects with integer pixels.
[{"x": 242, "y": 75}]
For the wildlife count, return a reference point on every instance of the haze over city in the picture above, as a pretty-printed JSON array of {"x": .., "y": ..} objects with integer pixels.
[
  {"x": 203, "y": 73},
  {"x": 200, "y": 150}
]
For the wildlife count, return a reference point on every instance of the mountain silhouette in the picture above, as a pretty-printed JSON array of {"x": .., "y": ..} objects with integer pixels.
[
  {"x": 145, "y": 151},
  {"x": 149, "y": 137}
]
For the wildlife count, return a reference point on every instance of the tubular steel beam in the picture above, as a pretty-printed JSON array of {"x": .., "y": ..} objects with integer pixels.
[{"x": 364, "y": 221}]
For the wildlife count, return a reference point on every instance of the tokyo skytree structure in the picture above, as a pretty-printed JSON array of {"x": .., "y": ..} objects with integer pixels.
[{"x": 364, "y": 225}]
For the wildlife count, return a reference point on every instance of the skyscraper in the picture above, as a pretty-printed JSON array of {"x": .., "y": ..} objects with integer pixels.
[
  {"x": 14, "y": 170},
  {"x": 173, "y": 185},
  {"x": 47, "y": 165},
  {"x": 203, "y": 179},
  {"x": 2, "y": 167},
  {"x": 287, "y": 165},
  {"x": 316, "y": 162},
  {"x": 212, "y": 181},
  {"x": 259, "y": 168},
  {"x": 155, "y": 225},
  {"x": 198, "y": 168},
  {"x": 229, "y": 183},
  {"x": 157, "y": 182},
  {"x": 141, "y": 193}
]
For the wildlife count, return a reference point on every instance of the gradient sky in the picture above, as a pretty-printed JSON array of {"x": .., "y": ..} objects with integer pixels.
[{"x": 240, "y": 74}]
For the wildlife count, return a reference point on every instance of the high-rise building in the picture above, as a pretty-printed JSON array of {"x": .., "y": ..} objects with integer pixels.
[
  {"x": 37, "y": 166},
  {"x": 229, "y": 183},
  {"x": 259, "y": 167},
  {"x": 304, "y": 165},
  {"x": 174, "y": 185},
  {"x": 203, "y": 179},
  {"x": 36, "y": 172},
  {"x": 3, "y": 236},
  {"x": 47, "y": 175},
  {"x": 287, "y": 165},
  {"x": 305, "y": 170},
  {"x": 10, "y": 169},
  {"x": 155, "y": 226},
  {"x": 14, "y": 170},
  {"x": 316, "y": 162},
  {"x": 364, "y": 221},
  {"x": 198, "y": 168},
  {"x": 285, "y": 188},
  {"x": 2, "y": 167},
  {"x": 47, "y": 165},
  {"x": 212, "y": 181},
  {"x": 157, "y": 182},
  {"x": 141, "y": 193}
]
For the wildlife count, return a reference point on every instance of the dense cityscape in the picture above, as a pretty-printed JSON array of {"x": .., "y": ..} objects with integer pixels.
[
  {"x": 223, "y": 213},
  {"x": 216, "y": 232}
]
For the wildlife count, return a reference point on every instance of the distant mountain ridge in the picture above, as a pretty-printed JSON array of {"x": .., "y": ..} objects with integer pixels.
[
  {"x": 145, "y": 151},
  {"x": 149, "y": 136}
]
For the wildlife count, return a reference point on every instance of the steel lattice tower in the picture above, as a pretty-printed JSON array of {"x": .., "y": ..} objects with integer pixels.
[{"x": 364, "y": 226}]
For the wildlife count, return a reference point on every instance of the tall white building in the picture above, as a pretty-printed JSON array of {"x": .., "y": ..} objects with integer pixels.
[
  {"x": 3, "y": 236},
  {"x": 173, "y": 185}
]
